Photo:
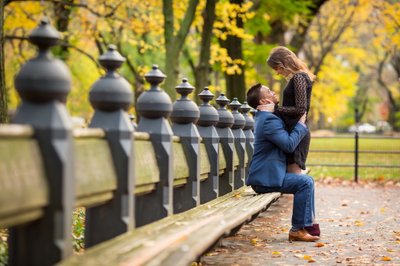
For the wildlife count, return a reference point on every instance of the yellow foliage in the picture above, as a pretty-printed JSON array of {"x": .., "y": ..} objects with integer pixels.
[
  {"x": 335, "y": 85},
  {"x": 226, "y": 19},
  {"x": 20, "y": 18}
]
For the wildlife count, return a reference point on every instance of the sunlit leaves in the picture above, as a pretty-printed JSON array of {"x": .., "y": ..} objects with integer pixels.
[
  {"x": 228, "y": 65},
  {"x": 226, "y": 19},
  {"x": 335, "y": 86}
]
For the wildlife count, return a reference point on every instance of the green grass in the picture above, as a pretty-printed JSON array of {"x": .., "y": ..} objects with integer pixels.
[
  {"x": 364, "y": 173},
  {"x": 3, "y": 247}
]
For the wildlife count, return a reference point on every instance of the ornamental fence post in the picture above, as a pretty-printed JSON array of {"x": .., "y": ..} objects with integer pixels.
[
  {"x": 184, "y": 114},
  {"x": 43, "y": 84},
  {"x": 206, "y": 125},
  {"x": 240, "y": 142},
  {"x": 154, "y": 106},
  {"x": 227, "y": 140},
  {"x": 111, "y": 96}
]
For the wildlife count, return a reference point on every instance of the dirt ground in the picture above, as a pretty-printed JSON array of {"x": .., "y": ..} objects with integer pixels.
[{"x": 360, "y": 225}]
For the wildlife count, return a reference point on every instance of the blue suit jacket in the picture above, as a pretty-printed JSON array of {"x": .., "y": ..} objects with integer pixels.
[{"x": 268, "y": 165}]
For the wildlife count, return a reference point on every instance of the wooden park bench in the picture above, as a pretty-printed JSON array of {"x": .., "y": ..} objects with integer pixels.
[
  {"x": 182, "y": 238},
  {"x": 162, "y": 195}
]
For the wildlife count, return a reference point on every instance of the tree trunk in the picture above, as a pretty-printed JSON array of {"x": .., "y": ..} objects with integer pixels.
[
  {"x": 174, "y": 43},
  {"x": 3, "y": 90},
  {"x": 172, "y": 71},
  {"x": 393, "y": 106},
  {"x": 203, "y": 69},
  {"x": 235, "y": 84},
  {"x": 62, "y": 12}
]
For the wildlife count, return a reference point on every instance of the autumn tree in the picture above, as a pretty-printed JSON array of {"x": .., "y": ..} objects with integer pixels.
[
  {"x": 387, "y": 50},
  {"x": 232, "y": 42},
  {"x": 3, "y": 92},
  {"x": 277, "y": 22},
  {"x": 337, "y": 79},
  {"x": 174, "y": 41},
  {"x": 202, "y": 70}
]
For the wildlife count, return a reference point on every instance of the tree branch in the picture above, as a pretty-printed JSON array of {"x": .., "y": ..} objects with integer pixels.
[
  {"x": 180, "y": 37},
  {"x": 81, "y": 5},
  {"x": 61, "y": 43},
  {"x": 186, "y": 54}
]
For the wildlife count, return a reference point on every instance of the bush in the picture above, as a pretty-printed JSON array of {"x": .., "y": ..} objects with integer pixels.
[
  {"x": 3, "y": 247},
  {"x": 78, "y": 229}
]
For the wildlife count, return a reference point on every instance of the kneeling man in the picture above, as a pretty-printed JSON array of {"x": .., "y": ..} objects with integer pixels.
[{"x": 267, "y": 170}]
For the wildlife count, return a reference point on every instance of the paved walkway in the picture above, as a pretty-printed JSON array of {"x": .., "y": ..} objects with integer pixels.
[{"x": 360, "y": 225}]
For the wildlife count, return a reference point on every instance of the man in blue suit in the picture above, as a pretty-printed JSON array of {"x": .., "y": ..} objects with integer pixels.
[{"x": 267, "y": 171}]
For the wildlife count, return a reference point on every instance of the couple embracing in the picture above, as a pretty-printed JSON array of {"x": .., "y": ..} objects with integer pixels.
[{"x": 282, "y": 140}]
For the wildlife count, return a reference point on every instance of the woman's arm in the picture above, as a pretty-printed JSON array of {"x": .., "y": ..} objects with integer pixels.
[
  {"x": 300, "y": 97},
  {"x": 275, "y": 132}
]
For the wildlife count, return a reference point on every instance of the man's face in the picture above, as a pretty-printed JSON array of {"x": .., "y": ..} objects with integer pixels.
[{"x": 268, "y": 96}]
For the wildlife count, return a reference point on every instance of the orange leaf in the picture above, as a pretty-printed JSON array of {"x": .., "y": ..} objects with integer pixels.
[
  {"x": 319, "y": 245},
  {"x": 384, "y": 258}
]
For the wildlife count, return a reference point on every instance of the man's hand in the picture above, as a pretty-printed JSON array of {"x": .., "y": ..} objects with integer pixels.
[
  {"x": 303, "y": 118},
  {"x": 266, "y": 107}
]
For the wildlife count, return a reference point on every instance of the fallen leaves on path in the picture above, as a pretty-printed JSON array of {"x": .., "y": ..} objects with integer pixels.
[
  {"x": 359, "y": 226},
  {"x": 305, "y": 257},
  {"x": 276, "y": 254},
  {"x": 358, "y": 223}
]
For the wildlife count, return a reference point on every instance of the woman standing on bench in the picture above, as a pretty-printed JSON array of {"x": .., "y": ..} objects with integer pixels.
[
  {"x": 267, "y": 169},
  {"x": 295, "y": 103}
]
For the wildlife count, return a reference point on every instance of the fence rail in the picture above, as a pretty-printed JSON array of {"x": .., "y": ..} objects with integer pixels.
[
  {"x": 358, "y": 152},
  {"x": 352, "y": 151}
]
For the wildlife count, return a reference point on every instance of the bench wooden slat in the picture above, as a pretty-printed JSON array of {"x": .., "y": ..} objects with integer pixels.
[
  {"x": 146, "y": 168},
  {"x": 222, "y": 161},
  {"x": 193, "y": 248},
  {"x": 181, "y": 169},
  {"x": 118, "y": 249},
  {"x": 18, "y": 131},
  {"x": 205, "y": 166},
  {"x": 167, "y": 241},
  {"x": 235, "y": 158},
  {"x": 23, "y": 186},
  {"x": 95, "y": 177}
]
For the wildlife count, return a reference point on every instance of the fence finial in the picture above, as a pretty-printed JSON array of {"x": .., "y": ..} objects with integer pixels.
[
  {"x": 245, "y": 109},
  {"x": 112, "y": 91},
  {"x": 225, "y": 117},
  {"x": 44, "y": 78},
  {"x": 154, "y": 103},
  {"x": 238, "y": 118},
  {"x": 184, "y": 110},
  {"x": 208, "y": 114}
]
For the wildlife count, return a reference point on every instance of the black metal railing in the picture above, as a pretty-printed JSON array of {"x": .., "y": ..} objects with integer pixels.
[{"x": 358, "y": 152}]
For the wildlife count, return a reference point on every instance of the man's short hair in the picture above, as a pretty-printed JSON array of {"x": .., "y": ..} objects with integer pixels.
[{"x": 253, "y": 95}]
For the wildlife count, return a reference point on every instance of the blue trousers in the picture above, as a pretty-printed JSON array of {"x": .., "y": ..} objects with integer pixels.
[{"x": 302, "y": 187}]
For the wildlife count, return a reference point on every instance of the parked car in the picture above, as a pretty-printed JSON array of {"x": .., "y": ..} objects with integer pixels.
[{"x": 363, "y": 128}]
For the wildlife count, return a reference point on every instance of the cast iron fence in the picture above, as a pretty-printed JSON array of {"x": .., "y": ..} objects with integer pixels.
[{"x": 373, "y": 152}]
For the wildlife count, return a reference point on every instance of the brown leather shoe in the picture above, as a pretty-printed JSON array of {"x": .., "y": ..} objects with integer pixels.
[{"x": 302, "y": 235}]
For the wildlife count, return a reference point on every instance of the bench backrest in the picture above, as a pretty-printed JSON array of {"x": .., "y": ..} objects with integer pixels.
[{"x": 124, "y": 179}]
